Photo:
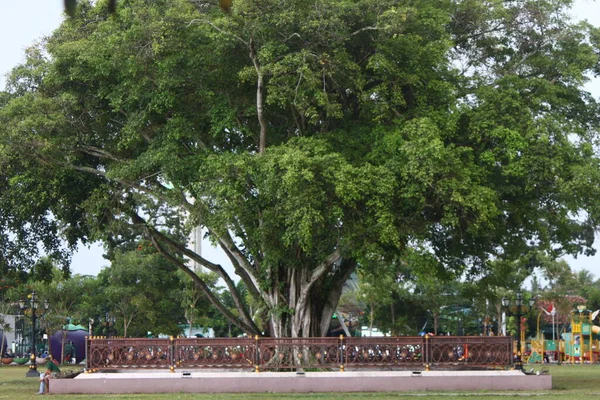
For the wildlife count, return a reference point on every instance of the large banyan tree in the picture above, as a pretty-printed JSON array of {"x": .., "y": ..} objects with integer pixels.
[{"x": 308, "y": 138}]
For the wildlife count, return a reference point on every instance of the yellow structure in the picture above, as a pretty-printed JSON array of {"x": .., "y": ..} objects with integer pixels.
[{"x": 580, "y": 342}]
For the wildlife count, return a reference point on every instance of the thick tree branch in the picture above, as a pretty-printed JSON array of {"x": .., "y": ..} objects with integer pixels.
[
  {"x": 346, "y": 269},
  {"x": 100, "y": 153},
  {"x": 317, "y": 273},
  {"x": 249, "y": 281},
  {"x": 131, "y": 185},
  {"x": 232, "y": 251},
  {"x": 260, "y": 89},
  {"x": 366, "y": 28},
  {"x": 260, "y": 99},
  {"x": 157, "y": 235},
  {"x": 97, "y": 152},
  {"x": 243, "y": 325},
  {"x": 203, "y": 21}
]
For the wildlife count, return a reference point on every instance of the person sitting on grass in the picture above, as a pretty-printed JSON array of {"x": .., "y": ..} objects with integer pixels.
[{"x": 51, "y": 371}]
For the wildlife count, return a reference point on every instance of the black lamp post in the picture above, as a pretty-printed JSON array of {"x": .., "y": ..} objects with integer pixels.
[
  {"x": 109, "y": 321},
  {"x": 519, "y": 314},
  {"x": 34, "y": 306},
  {"x": 350, "y": 323}
]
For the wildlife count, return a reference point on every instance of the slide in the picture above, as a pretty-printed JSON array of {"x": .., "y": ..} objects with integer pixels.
[{"x": 595, "y": 328}]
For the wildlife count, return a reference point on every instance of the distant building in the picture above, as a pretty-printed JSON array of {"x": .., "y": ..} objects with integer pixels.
[
  {"x": 197, "y": 331},
  {"x": 195, "y": 244},
  {"x": 8, "y": 337},
  {"x": 375, "y": 332}
]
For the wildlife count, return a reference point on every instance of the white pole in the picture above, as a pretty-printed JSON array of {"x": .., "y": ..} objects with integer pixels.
[
  {"x": 553, "y": 329},
  {"x": 90, "y": 323}
]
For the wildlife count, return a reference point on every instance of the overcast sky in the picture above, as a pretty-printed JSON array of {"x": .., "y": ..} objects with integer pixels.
[{"x": 22, "y": 22}]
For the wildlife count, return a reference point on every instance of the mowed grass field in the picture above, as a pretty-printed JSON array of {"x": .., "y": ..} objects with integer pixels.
[{"x": 578, "y": 382}]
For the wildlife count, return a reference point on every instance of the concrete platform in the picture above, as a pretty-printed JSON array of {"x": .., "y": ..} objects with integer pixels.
[{"x": 290, "y": 382}]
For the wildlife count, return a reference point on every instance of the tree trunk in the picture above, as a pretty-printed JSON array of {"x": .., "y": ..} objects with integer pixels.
[
  {"x": 260, "y": 99},
  {"x": 393, "y": 314},
  {"x": 63, "y": 341},
  {"x": 371, "y": 318},
  {"x": 312, "y": 298},
  {"x": 299, "y": 301},
  {"x": 499, "y": 315},
  {"x": 2, "y": 344},
  {"x": 126, "y": 323}
]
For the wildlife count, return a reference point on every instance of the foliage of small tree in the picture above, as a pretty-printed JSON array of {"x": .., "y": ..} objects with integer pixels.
[{"x": 141, "y": 288}]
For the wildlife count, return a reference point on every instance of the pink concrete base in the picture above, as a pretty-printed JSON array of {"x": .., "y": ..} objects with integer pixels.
[{"x": 289, "y": 382}]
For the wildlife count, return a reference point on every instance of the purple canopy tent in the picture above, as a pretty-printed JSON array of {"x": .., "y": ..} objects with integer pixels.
[{"x": 76, "y": 340}]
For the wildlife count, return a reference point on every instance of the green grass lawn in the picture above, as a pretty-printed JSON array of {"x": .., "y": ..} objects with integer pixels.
[{"x": 578, "y": 382}]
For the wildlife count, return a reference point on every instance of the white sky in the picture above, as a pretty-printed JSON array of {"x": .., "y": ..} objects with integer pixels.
[{"x": 24, "y": 21}]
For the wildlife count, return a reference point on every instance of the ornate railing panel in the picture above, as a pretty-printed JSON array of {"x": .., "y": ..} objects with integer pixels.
[
  {"x": 297, "y": 353},
  {"x": 215, "y": 353},
  {"x": 129, "y": 353},
  {"x": 286, "y": 353},
  {"x": 383, "y": 351},
  {"x": 472, "y": 350}
]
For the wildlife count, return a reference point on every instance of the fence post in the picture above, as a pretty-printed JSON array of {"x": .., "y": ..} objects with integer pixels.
[
  {"x": 342, "y": 350},
  {"x": 172, "y": 351},
  {"x": 426, "y": 356},
  {"x": 256, "y": 354},
  {"x": 88, "y": 343}
]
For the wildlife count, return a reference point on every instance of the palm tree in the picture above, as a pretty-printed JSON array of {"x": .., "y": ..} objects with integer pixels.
[{"x": 584, "y": 278}]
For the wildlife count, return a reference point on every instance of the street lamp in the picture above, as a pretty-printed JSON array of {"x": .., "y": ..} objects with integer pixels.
[
  {"x": 109, "y": 321},
  {"x": 519, "y": 313},
  {"x": 350, "y": 323},
  {"x": 34, "y": 306}
]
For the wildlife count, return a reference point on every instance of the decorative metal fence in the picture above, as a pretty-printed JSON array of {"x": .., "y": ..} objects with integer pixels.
[
  {"x": 128, "y": 353},
  {"x": 215, "y": 353},
  {"x": 260, "y": 354},
  {"x": 470, "y": 350},
  {"x": 403, "y": 351}
]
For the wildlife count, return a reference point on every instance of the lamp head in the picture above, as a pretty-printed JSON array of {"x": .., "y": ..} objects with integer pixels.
[{"x": 519, "y": 301}]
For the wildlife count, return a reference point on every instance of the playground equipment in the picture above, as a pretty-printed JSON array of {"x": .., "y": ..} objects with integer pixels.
[{"x": 580, "y": 345}]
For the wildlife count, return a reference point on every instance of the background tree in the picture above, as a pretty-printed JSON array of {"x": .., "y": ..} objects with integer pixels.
[
  {"x": 221, "y": 325},
  {"x": 197, "y": 308},
  {"x": 143, "y": 290},
  {"x": 375, "y": 291},
  {"x": 65, "y": 296}
]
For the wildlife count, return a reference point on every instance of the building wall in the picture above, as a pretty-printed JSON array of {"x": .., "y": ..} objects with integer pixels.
[
  {"x": 195, "y": 244},
  {"x": 10, "y": 336}
]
